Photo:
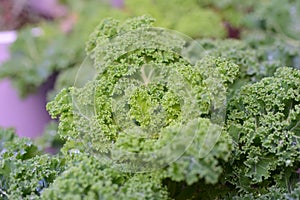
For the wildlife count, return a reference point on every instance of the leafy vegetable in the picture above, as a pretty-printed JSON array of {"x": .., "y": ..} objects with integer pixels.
[
  {"x": 24, "y": 172},
  {"x": 126, "y": 114},
  {"x": 122, "y": 110},
  {"x": 88, "y": 178},
  {"x": 263, "y": 121},
  {"x": 155, "y": 115}
]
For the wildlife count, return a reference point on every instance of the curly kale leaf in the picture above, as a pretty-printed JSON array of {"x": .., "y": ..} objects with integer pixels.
[
  {"x": 198, "y": 160},
  {"x": 254, "y": 62},
  {"x": 263, "y": 121},
  {"x": 87, "y": 177},
  {"x": 13, "y": 147},
  {"x": 238, "y": 52},
  {"x": 273, "y": 193},
  {"x": 24, "y": 172},
  {"x": 273, "y": 51}
]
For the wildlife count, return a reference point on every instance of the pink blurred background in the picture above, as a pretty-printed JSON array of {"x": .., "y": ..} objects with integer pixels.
[{"x": 28, "y": 116}]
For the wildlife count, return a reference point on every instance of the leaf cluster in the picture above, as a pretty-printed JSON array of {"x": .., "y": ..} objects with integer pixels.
[
  {"x": 153, "y": 123},
  {"x": 24, "y": 171}
]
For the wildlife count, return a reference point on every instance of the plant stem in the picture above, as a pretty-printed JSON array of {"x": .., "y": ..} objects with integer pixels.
[{"x": 4, "y": 193}]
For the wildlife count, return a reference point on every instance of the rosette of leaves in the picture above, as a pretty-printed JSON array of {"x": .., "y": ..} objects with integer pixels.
[
  {"x": 264, "y": 122},
  {"x": 148, "y": 108}
]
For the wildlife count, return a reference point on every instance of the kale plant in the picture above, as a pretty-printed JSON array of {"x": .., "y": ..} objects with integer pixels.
[
  {"x": 148, "y": 108},
  {"x": 148, "y": 118},
  {"x": 264, "y": 122},
  {"x": 24, "y": 171}
]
